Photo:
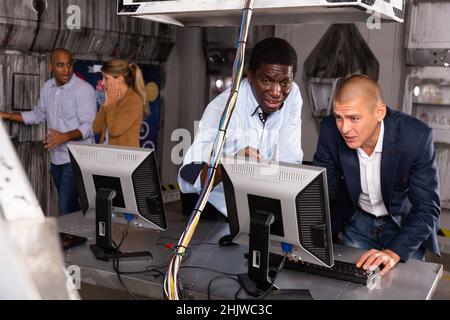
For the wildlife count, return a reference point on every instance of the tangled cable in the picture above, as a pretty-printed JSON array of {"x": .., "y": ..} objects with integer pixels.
[{"x": 171, "y": 285}]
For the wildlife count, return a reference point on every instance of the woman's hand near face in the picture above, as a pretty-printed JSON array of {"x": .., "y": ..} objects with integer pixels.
[{"x": 112, "y": 93}]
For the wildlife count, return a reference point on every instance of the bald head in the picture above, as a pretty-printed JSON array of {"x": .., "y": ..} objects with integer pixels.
[
  {"x": 61, "y": 65},
  {"x": 59, "y": 51},
  {"x": 359, "y": 112},
  {"x": 357, "y": 87}
]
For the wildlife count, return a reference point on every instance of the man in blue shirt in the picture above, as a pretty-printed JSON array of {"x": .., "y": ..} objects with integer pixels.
[{"x": 68, "y": 105}]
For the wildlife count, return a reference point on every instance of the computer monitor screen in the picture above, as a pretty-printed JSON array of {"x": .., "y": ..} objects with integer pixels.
[
  {"x": 131, "y": 172},
  {"x": 296, "y": 196}
]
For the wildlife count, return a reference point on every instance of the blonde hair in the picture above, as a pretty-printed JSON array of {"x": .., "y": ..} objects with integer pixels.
[{"x": 132, "y": 75}]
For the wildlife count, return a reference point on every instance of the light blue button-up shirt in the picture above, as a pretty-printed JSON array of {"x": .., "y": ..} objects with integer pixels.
[
  {"x": 65, "y": 108},
  {"x": 279, "y": 138}
]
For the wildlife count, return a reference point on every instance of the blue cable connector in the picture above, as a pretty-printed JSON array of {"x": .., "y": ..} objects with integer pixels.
[
  {"x": 128, "y": 216},
  {"x": 286, "y": 247}
]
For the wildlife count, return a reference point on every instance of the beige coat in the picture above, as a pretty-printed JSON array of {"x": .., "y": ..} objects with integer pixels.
[{"x": 123, "y": 120}]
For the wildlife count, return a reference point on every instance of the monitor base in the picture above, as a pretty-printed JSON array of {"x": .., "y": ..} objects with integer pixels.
[
  {"x": 110, "y": 254},
  {"x": 275, "y": 293}
]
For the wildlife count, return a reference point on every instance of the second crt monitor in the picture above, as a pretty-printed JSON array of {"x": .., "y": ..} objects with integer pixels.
[{"x": 297, "y": 198}]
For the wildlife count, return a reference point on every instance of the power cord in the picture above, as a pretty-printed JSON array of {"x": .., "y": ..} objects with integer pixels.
[
  {"x": 151, "y": 270},
  {"x": 221, "y": 277},
  {"x": 208, "y": 269},
  {"x": 266, "y": 293},
  {"x": 116, "y": 261}
]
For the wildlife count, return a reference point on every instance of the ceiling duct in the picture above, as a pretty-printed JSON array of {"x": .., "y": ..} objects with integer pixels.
[
  {"x": 18, "y": 24},
  {"x": 110, "y": 35},
  {"x": 41, "y": 25},
  {"x": 341, "y": 52},
  {"x": 265, "y": 12}
]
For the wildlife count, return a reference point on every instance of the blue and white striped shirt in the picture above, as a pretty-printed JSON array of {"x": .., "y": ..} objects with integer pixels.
[{"x": 65, "y": 108}]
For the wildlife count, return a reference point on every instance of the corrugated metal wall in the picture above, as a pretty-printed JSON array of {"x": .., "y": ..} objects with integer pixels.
[
  {"x": 25, "y": 41},
  {"x": 21, "y": 77}
]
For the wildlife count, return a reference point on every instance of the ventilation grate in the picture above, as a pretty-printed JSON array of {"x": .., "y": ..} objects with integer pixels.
[
  {"x": 128, "y": 157},
  {"x": 312, "y": 221},
  {"x": 293, "y": 176},
  {"x": 242, "y": 169}
]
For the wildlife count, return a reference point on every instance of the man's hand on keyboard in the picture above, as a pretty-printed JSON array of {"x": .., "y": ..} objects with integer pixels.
[{"x": 373, "y": 258}]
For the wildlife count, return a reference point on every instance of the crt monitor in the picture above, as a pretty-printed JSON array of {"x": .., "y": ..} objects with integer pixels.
[
  {"x": 279, "y": 208},
  {"x": 119, "y": 183}
]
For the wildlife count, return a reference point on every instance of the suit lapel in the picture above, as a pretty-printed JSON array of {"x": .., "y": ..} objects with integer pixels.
[
  {"x": 389, "y": 160},
  {"x": 350, "y": 170}
]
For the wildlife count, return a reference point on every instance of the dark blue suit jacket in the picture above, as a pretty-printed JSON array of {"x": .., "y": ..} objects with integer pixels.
[{"x": 409, "y": 180}]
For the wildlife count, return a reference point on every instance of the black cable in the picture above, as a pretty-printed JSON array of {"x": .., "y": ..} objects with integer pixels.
[
  {"x": 154, "y": 268},
  {"x": 148, "y": 269},
  {"x": 125, "y": 286},
  {"x": 262, "y": 296},
  {"x": 116, "y": 262},
  {"x": 208, "y": 269},
  {"x": 220, "y": 277},
  {"x": 236, "y": 295}
]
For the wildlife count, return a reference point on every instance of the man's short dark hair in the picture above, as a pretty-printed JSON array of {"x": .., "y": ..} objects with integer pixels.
[{"x": 273, "y": 51}]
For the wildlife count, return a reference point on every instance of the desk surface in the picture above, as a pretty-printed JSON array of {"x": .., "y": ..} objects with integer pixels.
[{"x": 412, "y": 280}]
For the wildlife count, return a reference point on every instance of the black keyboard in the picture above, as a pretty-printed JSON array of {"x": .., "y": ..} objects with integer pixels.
[{"x": 341, "y": 270}]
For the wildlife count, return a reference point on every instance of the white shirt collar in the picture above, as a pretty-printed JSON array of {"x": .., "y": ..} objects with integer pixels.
[
  {"x": 252, "y": 104},
  {"x": 379, "y": 146}
]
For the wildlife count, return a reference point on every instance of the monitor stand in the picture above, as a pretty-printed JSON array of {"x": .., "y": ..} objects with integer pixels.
[
  {"x": 103, "y": 248},
  {"x": 258, "y": 280}
]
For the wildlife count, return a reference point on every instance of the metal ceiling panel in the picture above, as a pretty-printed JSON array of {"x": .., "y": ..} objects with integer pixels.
[{"x": 229, "y": 12}]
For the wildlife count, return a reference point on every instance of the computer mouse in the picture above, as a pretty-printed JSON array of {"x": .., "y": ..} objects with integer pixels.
[{"x": 225, "y": 241}]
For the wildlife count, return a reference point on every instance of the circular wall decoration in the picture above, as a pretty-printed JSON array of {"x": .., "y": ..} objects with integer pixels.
[{"x": 152, "y": 91}]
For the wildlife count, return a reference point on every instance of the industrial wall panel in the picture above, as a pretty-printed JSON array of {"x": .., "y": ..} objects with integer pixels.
[
  {"x": 25, "y": 91},
  {"x": 36, "y": 162},
  {"x": 21, "y": 78}
]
